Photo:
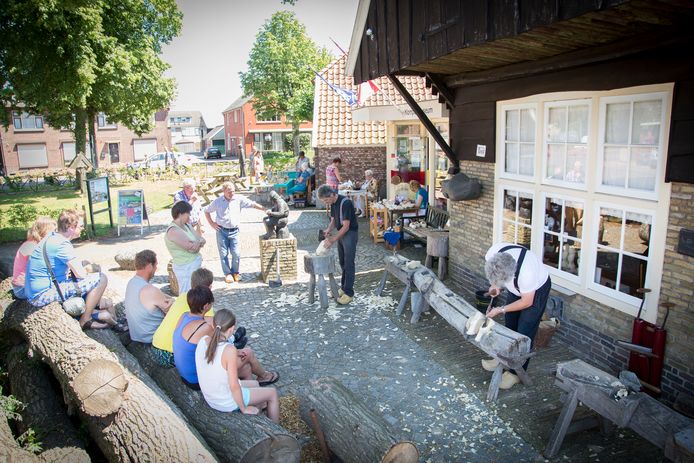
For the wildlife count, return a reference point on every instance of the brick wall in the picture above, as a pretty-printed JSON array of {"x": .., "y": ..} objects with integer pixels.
[
  {"x": 355, "y": 160},
  {"x": 268, "y": 260},
  {"x": 589, "y": 328}
]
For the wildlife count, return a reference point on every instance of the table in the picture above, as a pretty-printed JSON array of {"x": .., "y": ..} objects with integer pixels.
[
  {"x": 393, "y": 214},
  {"x": 354, "y": 194}
]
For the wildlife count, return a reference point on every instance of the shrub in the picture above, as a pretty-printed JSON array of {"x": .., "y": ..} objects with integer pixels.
[{"x": 20, "y": 215}]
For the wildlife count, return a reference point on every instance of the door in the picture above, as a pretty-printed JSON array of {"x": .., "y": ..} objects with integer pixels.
[
  {"x": 113, "y": 153},
  {"x": 411, "y": 153}
]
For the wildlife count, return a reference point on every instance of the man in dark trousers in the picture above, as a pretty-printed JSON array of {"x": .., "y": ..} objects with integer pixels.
[
  {"x": 277, "y": 218},
  {"x": 344, "y": 220}
]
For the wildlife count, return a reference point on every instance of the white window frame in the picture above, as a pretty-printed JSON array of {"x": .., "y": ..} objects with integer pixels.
[
  {"x": 590, "y": 277},
  {"x": 33, "y": 164},
  {"x": 553, "y": 271},
  {"x": 236, "y": 117},
  {"x": 67, "y": 161},
  {"x": 662, "y": 154},
  {"x": 21, "y": 116},
  {"x": 274, "y": 120},
  {"x": 545, "y": 141},
  {"x": 592, "y": 196},
  {"x": 106, "y": 124},
  {"x": 520, "y": 189},
  {"x": 501, "y": 141}
]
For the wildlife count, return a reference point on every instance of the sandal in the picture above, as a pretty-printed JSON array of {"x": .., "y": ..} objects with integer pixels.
[
  {"x": 273, "y": 379},
  {"x": 120, "y": 328},
  {"x": 87, "y": 325}
]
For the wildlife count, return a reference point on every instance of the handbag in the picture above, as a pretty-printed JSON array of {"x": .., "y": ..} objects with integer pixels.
[{"x": 73, "y": 306}]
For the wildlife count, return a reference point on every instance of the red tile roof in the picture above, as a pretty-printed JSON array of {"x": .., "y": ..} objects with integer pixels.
[{"x": 332, "y": 117}]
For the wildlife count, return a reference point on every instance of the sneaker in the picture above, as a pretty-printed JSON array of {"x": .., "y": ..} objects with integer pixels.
[
  {"x": 229, "y": 278},
  {"x": 490, "y": 364},
  {"x": 236, "y": 277},
  {"x": 344, "y": 299},
  {"x": 508, "y": 380}
]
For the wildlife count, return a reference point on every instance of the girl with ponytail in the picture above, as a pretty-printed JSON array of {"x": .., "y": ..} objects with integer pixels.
[{"x": 216, "y": 363}]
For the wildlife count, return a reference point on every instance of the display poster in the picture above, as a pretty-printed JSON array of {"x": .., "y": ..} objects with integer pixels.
[
  {"x": 98, "y": 190},
  {"x": 131, "y": 208}
]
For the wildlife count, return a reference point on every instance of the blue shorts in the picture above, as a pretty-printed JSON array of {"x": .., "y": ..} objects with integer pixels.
[
  {"x": 68, "y": 288},
  {"x": 246, "y": 393}
]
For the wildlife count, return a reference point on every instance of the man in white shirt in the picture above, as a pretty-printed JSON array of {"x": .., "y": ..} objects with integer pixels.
[{"x": 527, "y": 281}]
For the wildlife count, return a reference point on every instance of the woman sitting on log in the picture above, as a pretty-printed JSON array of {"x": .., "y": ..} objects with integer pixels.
[
  {"x": 215, "y": 358},
  {"x": 38, "y": 231},
  {"x": 190, "y": 329}
]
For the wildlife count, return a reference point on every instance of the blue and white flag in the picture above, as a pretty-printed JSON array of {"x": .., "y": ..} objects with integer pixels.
[{"x": 348, "y": 95}]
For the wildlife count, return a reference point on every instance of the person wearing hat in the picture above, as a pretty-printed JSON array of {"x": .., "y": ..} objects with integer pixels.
[
  {"x": 189, "y": 195},
  {"x": 277, "y": 218}
]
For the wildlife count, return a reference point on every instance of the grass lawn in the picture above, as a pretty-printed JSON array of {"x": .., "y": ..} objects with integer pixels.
[{"x": 157, "y": 197}]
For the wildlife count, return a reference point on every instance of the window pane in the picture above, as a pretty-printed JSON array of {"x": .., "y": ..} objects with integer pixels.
[
  {"x": 642, "y": 168},
  {"x": 39, "y": 122},
  {"x": 646, "y": 125},
  {"x": 606, "y": 268},
  {"x": 610, "y": 229},
  {"x": 570, "y": 256},
  {"x": 550, "y": 251},
  {"x": 556, "y": 128},
  {"x": 553, "y": 214},
  {"x": 512, "y": 125},
  {"x": 512, "y": 158},
  {"x": 577, "y": 131},
  {"x": 17, "y": 122},
  {"x": 633, "y": 275},
  {"x": 510, "y": 204},
  {"x": 617, "y": 128},
  {"x": 517, "y": 217},
  {"x": 573, "y": 219},
  {"x": 575, "y": 163},
  {"x": 525, "y": 208},
  {"x": 527, "y": 159},
  {"x": 637, "y": 233},
  {"x": 615, "y": 166},
  {"x": 555, "y": 161},
  {"x": 527, "y": 125}
]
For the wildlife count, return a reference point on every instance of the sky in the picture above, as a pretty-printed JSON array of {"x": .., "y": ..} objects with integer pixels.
[{"x": 218, "y": 35}]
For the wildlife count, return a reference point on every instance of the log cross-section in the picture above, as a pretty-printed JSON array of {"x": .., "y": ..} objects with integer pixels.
[{"x": 145, "y": 428}]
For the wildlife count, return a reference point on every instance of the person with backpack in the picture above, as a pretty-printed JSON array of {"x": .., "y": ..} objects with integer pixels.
[
  {"x": 514, "y": 268},
  {"x": 343, "y": 218}
]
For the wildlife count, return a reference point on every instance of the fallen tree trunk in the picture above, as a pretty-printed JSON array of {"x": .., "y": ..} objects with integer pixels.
[
  {"x": 44, "y": 411},
  {"x": 9, "y": 449},
  {"x": 144, "y": 428},
  {"x": 234, "y": 437},
  {"x": 353, "y": 431}
]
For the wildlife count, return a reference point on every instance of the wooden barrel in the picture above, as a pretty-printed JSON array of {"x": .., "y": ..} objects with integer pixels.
[
  {"x": 437, "y": 244},
  {"x": 319, "y": 265}
]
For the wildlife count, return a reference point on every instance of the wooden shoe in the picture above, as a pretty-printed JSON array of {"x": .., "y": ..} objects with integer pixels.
[
  {"x": 229, "y": 278},
  {"x": 344, "y": 299},
  {"x": 508, "y": 380},
  {"x": 490, "y": 364}
]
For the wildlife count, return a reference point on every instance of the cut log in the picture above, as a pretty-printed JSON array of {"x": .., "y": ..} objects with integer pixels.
[
  {"x": 44, "y": 410},
  {"x": 353, "y": 431},
  {"x": 9, "y": 449},
  {"x": 145, "y": 428},
  {"x": 125, "y": 260},
  {"x": 234, "y": 437},
  {"x": 173, "y": 281},
  {"x": 100, "y": 387}
]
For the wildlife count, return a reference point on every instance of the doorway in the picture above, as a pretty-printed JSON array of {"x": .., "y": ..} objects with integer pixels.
[{"x": 114, "y": 153}]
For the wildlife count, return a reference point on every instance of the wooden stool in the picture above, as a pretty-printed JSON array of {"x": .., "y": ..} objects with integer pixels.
[
  {"x": 320, "y": 265},
  {"x": 437, "y": 246},
  {"x": 378, "y": 223}
]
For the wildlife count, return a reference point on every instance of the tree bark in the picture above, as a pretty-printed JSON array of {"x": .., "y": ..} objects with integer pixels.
[
  {"x": 9, "y": 449},
  {"x": 44, "y": 411},
  {"x": 233, "y": 436},
  {"x": 296, "y": 140},
  {"x": 145, "y": 428},
  {"x": 353, "y": 431}
]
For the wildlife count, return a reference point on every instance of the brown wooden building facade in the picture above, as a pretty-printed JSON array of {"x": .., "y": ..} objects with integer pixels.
[{"x": 584, "y": 111}]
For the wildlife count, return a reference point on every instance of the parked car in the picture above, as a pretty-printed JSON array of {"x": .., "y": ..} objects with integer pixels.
[
  {"x": 159, "y": 160},
  {"x": 212, "y": 152}
]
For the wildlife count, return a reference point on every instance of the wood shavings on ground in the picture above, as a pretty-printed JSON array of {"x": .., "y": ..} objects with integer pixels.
[{"x": 290, "y": 419}]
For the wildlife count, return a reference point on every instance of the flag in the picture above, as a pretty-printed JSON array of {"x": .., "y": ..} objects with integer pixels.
[
  {"x": 365, "y": 91},
  {"x": 348, "y": 95}
]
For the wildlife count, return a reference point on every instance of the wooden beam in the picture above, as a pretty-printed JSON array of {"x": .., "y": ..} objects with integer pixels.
[
  {"x": 565, "y": 60},
  {"x": 441, "y": 87},
  {"x": 431, "y": 128}
]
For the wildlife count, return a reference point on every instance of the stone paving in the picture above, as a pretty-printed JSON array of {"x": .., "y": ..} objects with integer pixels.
[{"x": 363, "y": 344}]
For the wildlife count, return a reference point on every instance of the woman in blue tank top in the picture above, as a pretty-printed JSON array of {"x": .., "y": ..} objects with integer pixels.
[{"x": 191, "y": 328}]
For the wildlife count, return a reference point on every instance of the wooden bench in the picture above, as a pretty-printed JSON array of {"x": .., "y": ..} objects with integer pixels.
[
  {"x": 594, "y": 388},
  {"x": 436, "y": 219},
  {"x": 511, "y": 349}
]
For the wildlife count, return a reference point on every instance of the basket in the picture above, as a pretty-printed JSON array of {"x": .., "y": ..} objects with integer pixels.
[{"x": 545, "y": 332}]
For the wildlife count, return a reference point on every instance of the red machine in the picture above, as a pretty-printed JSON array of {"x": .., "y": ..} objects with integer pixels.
[{"x": 647, "y": 348}]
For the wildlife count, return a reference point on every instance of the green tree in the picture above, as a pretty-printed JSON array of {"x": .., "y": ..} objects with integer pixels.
[
  {"x": 72, "y": 59},
  {"x": 280, "y": 71}
]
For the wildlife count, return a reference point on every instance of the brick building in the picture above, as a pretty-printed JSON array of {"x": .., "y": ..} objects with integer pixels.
[
  {"x": 188, "y": 130},
  {"x": 361, "y": 137},
  {"x": 242, "y": 127},
  {"x": 30, "y": 143},
  {"x": 576, "y": 121}
]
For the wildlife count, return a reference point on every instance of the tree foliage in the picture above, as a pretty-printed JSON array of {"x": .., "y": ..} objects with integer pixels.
[
  {"x": 71, "y": 59},
  {"x": 280, "y": 70}
]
